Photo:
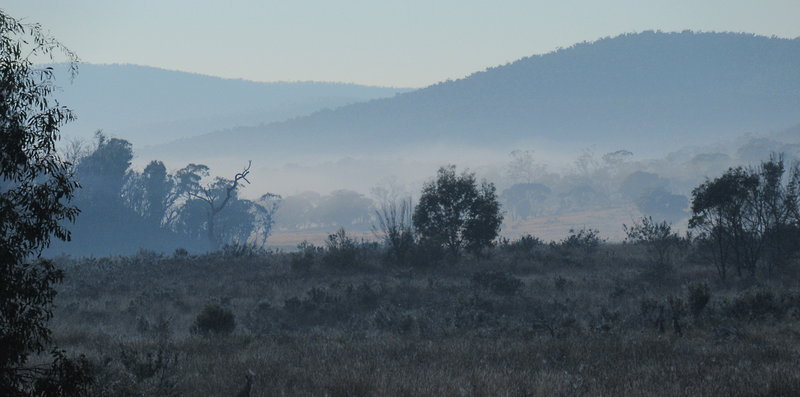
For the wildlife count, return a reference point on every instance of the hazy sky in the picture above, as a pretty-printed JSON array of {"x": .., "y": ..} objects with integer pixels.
[{"x": 408, "y": 43}]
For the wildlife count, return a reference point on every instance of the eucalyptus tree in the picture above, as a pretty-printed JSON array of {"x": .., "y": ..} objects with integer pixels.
[{"x": 36, "y": 187}]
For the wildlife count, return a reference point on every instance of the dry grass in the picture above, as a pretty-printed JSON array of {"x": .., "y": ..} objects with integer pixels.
[{"x": 575, "y": 328}]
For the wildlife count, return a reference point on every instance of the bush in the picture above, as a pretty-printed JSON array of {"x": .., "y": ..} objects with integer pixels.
[
  {"x": 525, "y": 244},
  {"x": 587, "y": 239},
  {"x": 180, "y": 253},
  {"x": 699, "y": 295},
  {"x": 214, "y": 320},
  {"x": 657, "y": 237},
  {"x": 497, "y": 282},
  {"x": 395, "y": 228},
  {"x": 303, "y": 260},
  {"x": 755, "y": 306},
  {"x": 341, "y": 252}
]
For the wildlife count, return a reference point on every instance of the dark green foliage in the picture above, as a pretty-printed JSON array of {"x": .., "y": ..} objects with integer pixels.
[
  {"x": 699, "y": 296},
  {"x": 36, "y": 187},
  {"x": 455, "y": 213},
  {"x": 497, "y": 282},
  {"x": 214, "y": 320}
]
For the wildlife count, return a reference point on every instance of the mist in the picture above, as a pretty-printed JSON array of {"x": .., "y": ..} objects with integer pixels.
[{"x": 614, "y": 216}]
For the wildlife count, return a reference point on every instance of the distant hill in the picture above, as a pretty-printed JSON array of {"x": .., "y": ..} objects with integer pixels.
[
  {"x": 647, "y": 92},
  {"x": 148, "y": 105}
]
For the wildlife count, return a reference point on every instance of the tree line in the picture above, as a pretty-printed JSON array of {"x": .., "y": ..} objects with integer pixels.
[{"x": 122, "y": 207}]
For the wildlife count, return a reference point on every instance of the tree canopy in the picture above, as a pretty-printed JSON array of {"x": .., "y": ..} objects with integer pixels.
[
  {"x": 455, "y": 212},
  {"x": 35, "y": 189}
]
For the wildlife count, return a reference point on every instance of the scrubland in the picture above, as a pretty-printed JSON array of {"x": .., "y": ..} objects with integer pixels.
[{"x": 523, "y": 319}]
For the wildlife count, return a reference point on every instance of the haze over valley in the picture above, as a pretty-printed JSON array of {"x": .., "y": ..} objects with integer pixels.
[{"x": 449, "y": 198}]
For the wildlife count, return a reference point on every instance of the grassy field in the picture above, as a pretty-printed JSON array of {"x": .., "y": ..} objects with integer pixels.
[{"x": 529, "y": 319}]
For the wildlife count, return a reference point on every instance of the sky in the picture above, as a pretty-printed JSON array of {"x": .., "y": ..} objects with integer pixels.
[{"x": 409, "y": 43}]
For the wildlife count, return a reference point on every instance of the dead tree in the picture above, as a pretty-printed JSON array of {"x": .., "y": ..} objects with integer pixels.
[{"x": 210, "y": 196}]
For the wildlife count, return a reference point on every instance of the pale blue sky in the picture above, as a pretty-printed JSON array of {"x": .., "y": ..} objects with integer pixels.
[{"x": 408, "y": 43}]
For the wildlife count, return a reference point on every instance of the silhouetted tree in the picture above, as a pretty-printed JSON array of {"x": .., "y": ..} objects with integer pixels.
[
  {"x": 103, "y": 172},
  {"x": 718, "y": 208},
  {"x": 215, "y": 196},
  {"x": 158, "y": 191},
  {"x": 748, "y": 214},
  {"x": 35, "y": 190},
  {"x": 454, "y": 212}
]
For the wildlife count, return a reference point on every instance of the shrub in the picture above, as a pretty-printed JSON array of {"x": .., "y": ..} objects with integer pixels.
[
  {"x": 303, "y": 260},
  {"x": 180, "y": 253},
  {"x": 657, "y": 237},
  {"x": 587, "y": 240},
  {"x": 241, "y": 250},
  {"x": 699, "y": 295},
  {"x": 395, "y": 228},
  {"x": 754, "y": 306},
  {"x": 497, "y": 282},
  {"x": 214, "y": 320},
  {"x": 341, "y": 252},
  {"x": 525, "y": 244},
  {"x": 652, "y": 312},
  {"x": 677, "y": 308}
]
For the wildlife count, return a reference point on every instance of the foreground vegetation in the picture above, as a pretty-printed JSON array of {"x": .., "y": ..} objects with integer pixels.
[{"x": 526, "y": 318}]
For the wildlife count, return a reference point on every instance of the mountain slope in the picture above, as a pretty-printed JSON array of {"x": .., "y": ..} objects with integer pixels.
[
  {"x": 149, "y": 105},
  {"x": 646, "y": 92}
]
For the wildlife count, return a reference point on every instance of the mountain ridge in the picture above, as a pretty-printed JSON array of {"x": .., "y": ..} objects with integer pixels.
[
  {"x": 149, "y": 105},
  {"x": 668, "y": 86}
]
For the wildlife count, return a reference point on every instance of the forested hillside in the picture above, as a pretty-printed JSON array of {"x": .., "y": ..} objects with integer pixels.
[{"x": 647, "y": 92}]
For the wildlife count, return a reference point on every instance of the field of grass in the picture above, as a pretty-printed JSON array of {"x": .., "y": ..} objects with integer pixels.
[{"x": 529, "y": 319}]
